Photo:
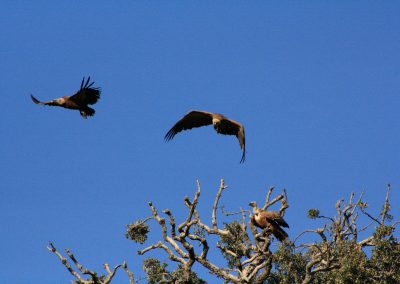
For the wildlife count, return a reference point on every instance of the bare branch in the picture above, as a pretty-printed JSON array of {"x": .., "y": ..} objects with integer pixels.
[
  {"x": 161, "y": 245},
  {"x": 166, "y": 238},
  {"x": 226, "y": 213},
  {"x": 64, "y": 262},
  {"x": 367, "y": 242},
  {"x": 386, "y": 206},
  {"x": 370, "y": 216},
  {"x": 111, "y": 274},
  {"x": 191, "y": 212},
  {"x": 130, "y": 273},
  {"x": 80, "y": 267},
  {"x": 214, "y": 208},
  {"x": 263, "y": 264},
  {"x": 102, "y": 279},
  {"x": 217, "y": 270},
  {"x": 270, "y": 189},
  {"x": 171, "y": 222}
]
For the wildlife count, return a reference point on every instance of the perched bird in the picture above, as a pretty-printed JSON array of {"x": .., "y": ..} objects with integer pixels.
[
  {"x": 87, "y": 95},
  {"x": 269, "y": 219},
  {"x": 222, "y": 124}
]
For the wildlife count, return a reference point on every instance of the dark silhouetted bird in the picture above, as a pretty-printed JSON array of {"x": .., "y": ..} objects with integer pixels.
[
  {"x": 87, "y": 95},
  {"x": 222, "y": 124},
  {"x": 269, "y": 219}
]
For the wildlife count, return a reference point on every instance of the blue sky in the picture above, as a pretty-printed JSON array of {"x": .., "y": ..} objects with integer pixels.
[{"x": 316, "y": 84}]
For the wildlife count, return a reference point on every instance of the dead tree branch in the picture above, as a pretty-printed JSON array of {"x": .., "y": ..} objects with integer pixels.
[
  {"x": 94, "y": 278},
  {"x": 250, "y": 261}
]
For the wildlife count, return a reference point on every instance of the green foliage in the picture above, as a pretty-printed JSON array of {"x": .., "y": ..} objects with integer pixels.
[
  {"x": 181, "y": 276},
  {"x": 313, "y": 213},
  {"x": 198, "y": 231},
  {"x": 137, "y": 231},
  {"x": 351, "y": 261},
  {"x": 385, "y": 259},
  {"x": 289, "y": 265},
  {"x": 157, "y": 272},
  {"x": 233, "y": 242},
  {"x": 383, "y": 232},
  {"x": 352, "y": 264},
  {"x": 385, "y": 212},
  {"x": 362, "y": 204}
]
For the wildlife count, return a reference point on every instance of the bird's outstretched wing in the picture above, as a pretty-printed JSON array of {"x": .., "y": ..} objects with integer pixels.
[
  {"x": 242, "y": 141},
  {"x": 231, "y": 127},
  {"x": 194, "y": 118},
  {"x": 87, "y": 95},
  {"x": 49, "y": 103}
]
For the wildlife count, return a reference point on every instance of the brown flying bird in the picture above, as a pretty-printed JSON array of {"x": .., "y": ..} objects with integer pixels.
[
  {"x": 87, "y": 95},
  {"x": 222, "y": 124},
  {"x": 269, "y": 219}
]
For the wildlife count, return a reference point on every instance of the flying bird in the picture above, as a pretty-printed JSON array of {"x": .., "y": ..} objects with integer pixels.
[
  {"x": 222, "y": 124},
  {"x": 269, "y": 219},
  {"x": 87, "y": 95}
]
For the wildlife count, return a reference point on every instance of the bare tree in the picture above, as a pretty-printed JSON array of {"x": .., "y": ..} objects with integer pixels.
[
  {"x": 249, "y": 255},
  {"x": 337, "y": 257},
  {"x": 94, "y": 277},
  {"x": 340, "y": 237}
]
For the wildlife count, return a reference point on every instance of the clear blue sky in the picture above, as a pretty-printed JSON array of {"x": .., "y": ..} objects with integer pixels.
[{"x": 316, "y": 84}]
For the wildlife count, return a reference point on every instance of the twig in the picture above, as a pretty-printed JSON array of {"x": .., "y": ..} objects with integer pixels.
[
  {"x": 64, "y": 261},
  {"x": 102, "y": 279},
  {"x": 214, "y": 208},
  {"x": 270, "y": 189},
  {"x": 130, "y": 273}
]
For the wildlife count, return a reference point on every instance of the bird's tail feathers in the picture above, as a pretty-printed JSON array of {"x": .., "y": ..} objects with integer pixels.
[{"x": 280, "y": 234}]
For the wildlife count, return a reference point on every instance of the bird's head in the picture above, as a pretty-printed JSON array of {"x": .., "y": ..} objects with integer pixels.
[
  {"x": 59, "y": 101},
  {"x": 216, "y": 122},
  {"x": 253, "y": 204}
]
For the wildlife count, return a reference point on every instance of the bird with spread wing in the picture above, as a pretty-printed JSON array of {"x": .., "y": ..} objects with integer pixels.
[
  {"x": 87, "y": 95},
  {"x": 222, "y": 124}
]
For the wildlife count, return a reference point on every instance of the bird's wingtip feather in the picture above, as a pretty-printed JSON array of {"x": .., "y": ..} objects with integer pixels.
[
  {"x": 170, "y": 134},
  {"x": 243, "y": 159},
  {"x": 35, "y": 100}
]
